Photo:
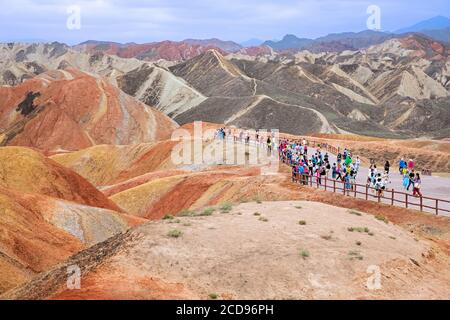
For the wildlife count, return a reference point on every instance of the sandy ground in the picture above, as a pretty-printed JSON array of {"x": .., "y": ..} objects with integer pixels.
[{"x": 261, "y": 251}]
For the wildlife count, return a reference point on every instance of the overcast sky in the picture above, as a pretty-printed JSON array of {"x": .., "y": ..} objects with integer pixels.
[{"x": 154, "y": 20}]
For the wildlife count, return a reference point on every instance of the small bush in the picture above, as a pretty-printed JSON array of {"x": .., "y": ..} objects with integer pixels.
[
  {"x": 302, "y": 223},
  {"x": 175, "y": 233},
  {"x": 356, "y": 213},
  {"x": 360, "y": 230},
  {"x": 213, "y": 296},
  {"x": 243, "y": 200},
  {"x": 327, "y": 237},
  {"x": 168, "y": 217},
  {"x": 263, "y": 219},
  {"x": 226, "y": 207},
  {"x": 381, "y": 218},
  {"x": 207, "y": 212},
  {"x": 298, "y": 207},
  {"x": 304, "y": 254},
  {"x": 355, "y": 255},
  {"x": 186, "y": 213},
  {"x": 257, "y": 214},
  {"x": 358, "y": 243}
]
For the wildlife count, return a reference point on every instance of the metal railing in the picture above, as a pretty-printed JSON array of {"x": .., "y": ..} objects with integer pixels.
[
  {"x": 365, "y": 192},
  {"x": 335, "y": 150}
]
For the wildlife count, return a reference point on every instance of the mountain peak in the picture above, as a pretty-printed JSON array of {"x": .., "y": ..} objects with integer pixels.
[{"x": 437, "y": 22}]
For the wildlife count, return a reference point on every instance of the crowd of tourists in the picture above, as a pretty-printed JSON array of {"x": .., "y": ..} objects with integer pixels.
[
  {"x": 315, "y": 164},
  {"x": 308, "y": 165},
  {"x": 411, "y": 178},
  {"x": 246, "y": 136}
]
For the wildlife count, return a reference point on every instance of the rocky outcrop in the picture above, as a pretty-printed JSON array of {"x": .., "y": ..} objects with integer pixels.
[{"x": 71, "y": 110}]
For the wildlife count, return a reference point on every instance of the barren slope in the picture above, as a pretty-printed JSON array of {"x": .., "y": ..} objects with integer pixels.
[{"x": 319, "y": 260}]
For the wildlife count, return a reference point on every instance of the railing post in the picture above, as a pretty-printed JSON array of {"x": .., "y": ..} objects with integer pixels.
[
  {"x": 421, "y": 204},
  {"x": 437, "y": 206},
  {"x": 406, "y": 200},
  {"x": 334, "y": 186},
  {"x": 379, "y": 196},
  {"x": 355, "y": 186},
  {"x": 325, "y": 183},
  {"x": 392, "y": 199},
  {"x": 367, "y": 192}
]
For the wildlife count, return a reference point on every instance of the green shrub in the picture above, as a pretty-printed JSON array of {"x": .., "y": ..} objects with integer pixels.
[
  {"x": 304, "y": 254},
  {"x": 213, "y": 296},
  {"x": 175, "y": 233},
  {"x": 356, "y": 213},
  {"x": 207, "y": 212},
  {"x": 381, "y": 218},
  {"x": 186, "y": 213},
  {"x": 226, "y": 207}
]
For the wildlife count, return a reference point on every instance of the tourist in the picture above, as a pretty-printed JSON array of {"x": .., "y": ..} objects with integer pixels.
[
  {"x": 411, "y": 164},
  {"x": 334, "y": 171},
  {"x": 411, "y": 179},
  {"x": 387, "y": 166},
  {"x": 417, "y": 186},
  {"x": 401, "y": 165},
  {"x": 357, "y": 164},
  {"x": 405, "y": 178}
]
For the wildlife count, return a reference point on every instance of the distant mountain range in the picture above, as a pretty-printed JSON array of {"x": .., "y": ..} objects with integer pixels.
[
  {"x": 437, "y": 28},
  {"x": 252, "y": 43},
  {"x": 405, "y": 77},
  {"x": 333, "y": 42},
  {"x": 434, "y": 23}
]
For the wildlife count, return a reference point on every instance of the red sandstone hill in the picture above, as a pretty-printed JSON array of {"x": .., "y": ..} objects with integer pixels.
[
  {"x": 167, "y": 50},
  {"x": 48, "y": 213},
  {"x": 27, "y": 171},
  {"x": 71, "y": 110},
  {"x": 425, "y": 47}
]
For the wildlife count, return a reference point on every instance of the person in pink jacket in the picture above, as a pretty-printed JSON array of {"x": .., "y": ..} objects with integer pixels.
[{"x": 411, "y": 164}]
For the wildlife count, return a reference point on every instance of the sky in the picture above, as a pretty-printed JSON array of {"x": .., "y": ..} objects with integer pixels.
[{"x": 155, "y": 20}]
